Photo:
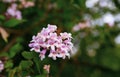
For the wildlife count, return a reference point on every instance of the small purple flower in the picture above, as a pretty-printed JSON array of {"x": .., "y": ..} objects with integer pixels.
[
  {"x": 52, "y": 28},
  {"x": 1, "y": 66},
  {"x": 42, "y": 54},
  {"x": 65, "y": 35},
  {"x": 53, "y": 55},
  {"x": 58, "y": 46},
  {"x": 63, "y": 54},
  {"x": 14, "y": 12}
]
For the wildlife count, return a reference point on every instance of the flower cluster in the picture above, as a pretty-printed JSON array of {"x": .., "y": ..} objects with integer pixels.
[
  {"x": 13, "y": 9},
  {"x": 1, "y": 66},
  {"x": 13, "y": 12},
  {"x": 81, "y": 25},
  {"x": 48, "y": 41}
]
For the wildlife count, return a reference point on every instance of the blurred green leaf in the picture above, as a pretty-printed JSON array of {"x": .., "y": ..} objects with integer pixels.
[
  {"x": 14, "y": 50},
  {"x": 13, "y": 22},
  {"x": 2, "y": 17},
  {"x": 37, "y": 63},
  {"x": 8, "y": 64},
  {"x": 29, "y": 55},
  {"x": 26, "y": 64}
]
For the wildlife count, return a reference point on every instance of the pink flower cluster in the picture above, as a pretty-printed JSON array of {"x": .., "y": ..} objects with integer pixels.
[
  {"x": 1, "y": 66},
  {"x": 81, "y": 25},
  {"x": 48, "y": 41},
  {"x": 13, "y": 9},
  {"x": 14, "y": 12}
]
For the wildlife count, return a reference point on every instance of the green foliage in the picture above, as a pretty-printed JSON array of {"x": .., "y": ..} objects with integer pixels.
[
  {"x": 37, "y": 63},
  {"x": 26, "y": 64},
  {"x": 8, "y": 64},
  {"x": 40, "y": 76},
  {"x": 13, "y": 22},
  {"x": 15, "y": 50},
  {"x": 29, "y": 55},
  {"x": 2, "y": 17}
]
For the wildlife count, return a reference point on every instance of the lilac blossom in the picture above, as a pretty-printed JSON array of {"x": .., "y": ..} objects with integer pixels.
[
  {"x": 81, "y": 25},
  {"x": 14, "y": 12},
  {"x": 1, "y": 66},
  {"x": 58, "y": 46}
]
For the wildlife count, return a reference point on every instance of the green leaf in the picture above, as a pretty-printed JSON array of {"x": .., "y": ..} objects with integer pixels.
[
  {"x": 14, "y": 50},
  {"x": 26, "y": 64},
  {"x": 29, "y": 55},
  {"x": 13, "y": 22},
  {"x": 8, "y": 64},
  {"x": 37, "y": 63},
  {"x": 2, "y": 17}
]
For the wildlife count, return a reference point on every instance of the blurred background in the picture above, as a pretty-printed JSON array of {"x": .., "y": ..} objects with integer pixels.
[{"x": 95, "y": 27}]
